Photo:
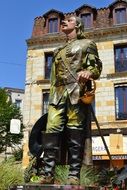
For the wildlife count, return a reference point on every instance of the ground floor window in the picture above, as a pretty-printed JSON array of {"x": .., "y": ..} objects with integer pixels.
[{"x": 45, "y": 102}]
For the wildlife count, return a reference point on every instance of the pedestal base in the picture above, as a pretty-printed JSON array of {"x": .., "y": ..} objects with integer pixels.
[{"x": 52, "y": 187}]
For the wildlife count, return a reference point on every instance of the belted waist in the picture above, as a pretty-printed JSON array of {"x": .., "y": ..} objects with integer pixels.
[{"x": 64, "y": 82}]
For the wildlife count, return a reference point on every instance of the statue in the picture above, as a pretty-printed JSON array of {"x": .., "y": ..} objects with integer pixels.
[{"x": 74, "y": 66}]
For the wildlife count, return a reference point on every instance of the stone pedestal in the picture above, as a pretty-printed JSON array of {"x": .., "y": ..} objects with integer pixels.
[{"x": 52, "y": 187}]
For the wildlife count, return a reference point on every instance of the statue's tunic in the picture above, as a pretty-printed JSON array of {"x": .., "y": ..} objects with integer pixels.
[{"x": 75, "y": 56}]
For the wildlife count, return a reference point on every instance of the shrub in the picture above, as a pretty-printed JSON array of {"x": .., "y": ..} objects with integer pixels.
[
  {"x": 18, "y": 154},
  {"x": 10, "y": 174},
  {"x": 88, "y": 177},
  {"x": 61, "y": 173}
]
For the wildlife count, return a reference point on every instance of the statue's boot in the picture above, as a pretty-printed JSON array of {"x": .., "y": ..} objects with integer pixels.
[
  {"x": 51, "y": 146},
  {"x": 75, "y": 155}
]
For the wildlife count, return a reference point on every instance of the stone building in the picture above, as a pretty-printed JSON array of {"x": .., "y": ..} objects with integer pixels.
[
  {"x": 16, "y": 96},
  {"x": 108, "y": 27}
]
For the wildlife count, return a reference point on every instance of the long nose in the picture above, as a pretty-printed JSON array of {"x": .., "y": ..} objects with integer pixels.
[{"x": 63, "y": 22}]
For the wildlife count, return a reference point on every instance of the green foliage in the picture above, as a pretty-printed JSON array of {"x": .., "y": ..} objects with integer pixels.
[
  {"x": 89, "y": 176},
  {"x": 31, "y": 170},
  {"x": 18, "y": 154},
  {"x": 107, "y": 176},
  {"x": 113, "y": 177},
  {"x": 61, "y": 173},
  {"x": 8, "y": 111},
  {"x": 10, "y": 174}
]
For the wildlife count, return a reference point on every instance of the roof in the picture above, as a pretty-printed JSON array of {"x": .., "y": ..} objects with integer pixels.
[
  {"x": 52, "y": 11},
  {"x": 85, "y": 5},
  {"x": 117, "y": 1},
  {"x": 17, "y": 90}
]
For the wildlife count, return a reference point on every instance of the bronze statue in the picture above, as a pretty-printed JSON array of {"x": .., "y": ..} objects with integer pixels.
[{"x": 73, "y": 66}]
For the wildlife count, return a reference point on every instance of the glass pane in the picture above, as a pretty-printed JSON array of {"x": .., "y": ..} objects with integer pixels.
[
  {"x": 56, "y": 25},
  {"x": 121, "y": 102},
  {"x": 48, "y": 65},
  {"x": 86, "y": 18},
  {"x": 120, "y": 59},
  {"x": 53, "y": 25},
  {"x": 45, "y": 103},
  {"x": 93, "y": 105},
  {"x": 120, "y": 15},
  {"x": 18, "y": 103}
]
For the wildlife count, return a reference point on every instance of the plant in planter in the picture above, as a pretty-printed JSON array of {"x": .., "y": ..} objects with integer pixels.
[
  {"x": 10, "y": 174},
  {"x": 115, "y": 177},
  {"x": 89, "y": 176}
]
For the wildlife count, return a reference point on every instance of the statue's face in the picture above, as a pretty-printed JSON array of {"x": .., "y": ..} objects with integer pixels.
[{"x": 68, "y": 25}]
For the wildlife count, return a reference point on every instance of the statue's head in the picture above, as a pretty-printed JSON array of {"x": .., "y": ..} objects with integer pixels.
[{"x": 73, "y": 23}]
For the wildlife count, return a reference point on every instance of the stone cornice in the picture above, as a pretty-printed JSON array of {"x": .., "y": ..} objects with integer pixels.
[
  {"x": 43, "y": 81},
  {"x": 47, "y": 39},
  {"x": 117, "y": 75},
  {"x": 91, "y": 33},
  {"x": 106, "y": 32},
  {"x": 106, "y": 132}
]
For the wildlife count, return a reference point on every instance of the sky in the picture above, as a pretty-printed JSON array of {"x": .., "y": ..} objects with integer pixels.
[{"x": 16, "y": 24}]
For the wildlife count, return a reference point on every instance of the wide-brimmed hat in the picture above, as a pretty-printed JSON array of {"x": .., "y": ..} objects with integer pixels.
[{"x": 35, "y": 138}]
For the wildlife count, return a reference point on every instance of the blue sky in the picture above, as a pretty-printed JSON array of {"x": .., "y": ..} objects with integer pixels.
[{"x": 16, "y": 23}]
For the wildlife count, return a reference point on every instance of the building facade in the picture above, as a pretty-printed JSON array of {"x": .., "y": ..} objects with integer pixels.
[
  {"x": 16, "y": 96},
  {"x": 108, "y": 28}
]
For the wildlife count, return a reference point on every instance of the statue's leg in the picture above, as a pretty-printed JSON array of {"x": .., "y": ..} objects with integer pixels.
[
  {"x": 75, "y": 155},
  {"x": 50, "y": 140},
  {"x": 76, "y": 138},
  {"x": 51, "y": 146}
]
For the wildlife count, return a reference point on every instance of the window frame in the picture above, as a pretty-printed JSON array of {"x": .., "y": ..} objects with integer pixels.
[
  {"x": 121, "y": 65},
  {"x": 91, "y": 19},
  {"x": 18, "y": 103},
  {"x": 119, "y": 102},
  {"x": 44, "y": 102},
  {"x": 48, "y": 68},
  {"x": 115, "y": 17},
  {"x": 55, "y": 26}
]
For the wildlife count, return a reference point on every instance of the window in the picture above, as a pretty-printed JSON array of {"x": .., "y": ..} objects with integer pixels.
[
  {"x": 121, "y": 58},
  {"x": 93, "y": 106},
  {"x": 53, "y": 25},
  {"x": 18, "y": 103},
  {"x": 48, "y": 64},
  {"x": 45, "y": 102},
  {"x": 87, "y": 20},
  {"x": 121, "y": 102},
  {"x": 120, "y": 16}
]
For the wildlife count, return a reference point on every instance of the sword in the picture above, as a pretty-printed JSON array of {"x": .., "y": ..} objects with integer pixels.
[{"x": 100, "y": 132}]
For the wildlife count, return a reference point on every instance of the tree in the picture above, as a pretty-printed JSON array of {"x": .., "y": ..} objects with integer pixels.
[{"x": 8, "y": 111}]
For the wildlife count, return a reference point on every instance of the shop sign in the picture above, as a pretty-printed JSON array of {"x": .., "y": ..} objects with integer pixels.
[
  {"x": 15, "y": 126},
  {"x": 97, "y": 157},
  {"x": 125, "y": 143},
  {"x": 98, "y": 145},
  {"x": 119, "y": 157},
  {"x": 114, "y": 157}
]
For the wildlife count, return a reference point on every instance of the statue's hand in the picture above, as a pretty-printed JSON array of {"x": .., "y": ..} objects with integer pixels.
[{"x": 83, "y": 76}]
